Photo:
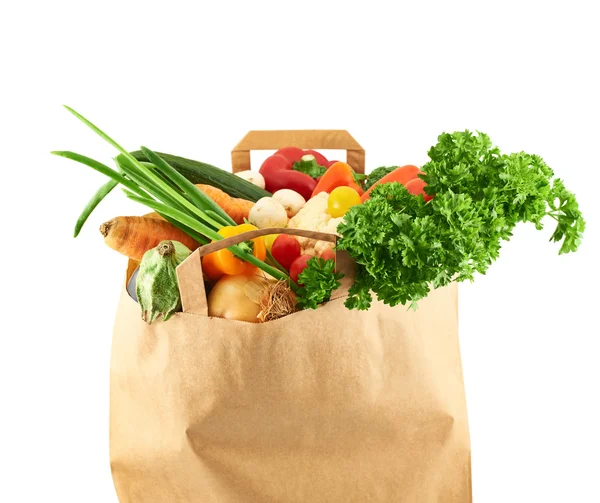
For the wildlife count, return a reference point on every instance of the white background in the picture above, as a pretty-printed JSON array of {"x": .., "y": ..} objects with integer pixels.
[{"x": 192, "y": 80}]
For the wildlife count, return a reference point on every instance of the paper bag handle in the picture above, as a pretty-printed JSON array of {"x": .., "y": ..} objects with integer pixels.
[
  {"x": 191, "y": 282},
  {"x": 327, "y": 139}
]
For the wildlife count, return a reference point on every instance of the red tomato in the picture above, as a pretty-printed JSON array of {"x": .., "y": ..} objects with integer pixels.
[
  {"x": 328, "y": 254},
  {"x": 273, "y": 164},
  {"x": 292, "y": 154},
  {"x": 416, "y": 187},
  {"x": 320, "y": 158},
  {"x": 286, "y": 249},
  {"x": 298, "y": 266}
]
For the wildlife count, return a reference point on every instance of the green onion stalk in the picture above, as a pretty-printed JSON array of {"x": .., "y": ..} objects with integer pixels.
[{"x": 157, "y": 185}]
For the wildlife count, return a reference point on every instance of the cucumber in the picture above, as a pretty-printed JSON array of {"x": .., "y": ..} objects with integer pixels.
[{"x": 200, "y": 172}]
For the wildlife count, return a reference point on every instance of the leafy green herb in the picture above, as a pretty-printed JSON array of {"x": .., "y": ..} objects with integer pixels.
[
  {"x": 570, "y": 224},
  {"x": 319, "y": 279},
  {"x": 377, "y": 174},
  {"x": 404, "y": 246},
  {"x": 309, "y": 166}
]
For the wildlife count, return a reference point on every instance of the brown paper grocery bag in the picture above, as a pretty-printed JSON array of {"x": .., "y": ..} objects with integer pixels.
[{"x": 327, "y": 405}]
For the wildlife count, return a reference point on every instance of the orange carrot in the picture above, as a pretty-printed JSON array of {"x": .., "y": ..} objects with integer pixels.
[
  {"x": 134, "y": 236},
  {"x": 402, "y": 175},
  {"x": 235, "y": 207}
]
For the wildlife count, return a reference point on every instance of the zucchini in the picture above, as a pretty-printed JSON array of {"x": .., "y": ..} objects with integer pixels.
[{"x": 200, "y": 172}]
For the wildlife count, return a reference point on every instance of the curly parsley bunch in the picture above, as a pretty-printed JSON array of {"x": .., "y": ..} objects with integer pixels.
[{"x": 404, "y": 246}]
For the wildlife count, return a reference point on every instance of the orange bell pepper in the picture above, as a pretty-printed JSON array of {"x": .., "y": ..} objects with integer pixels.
[
  {"x": 338, "y": 174},
  {"x": 219, "y": 263}
]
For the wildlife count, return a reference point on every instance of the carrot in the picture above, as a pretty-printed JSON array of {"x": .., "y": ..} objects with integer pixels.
[
  {"x": 235, "y": 207},
  {"x": 402, "y": 175},
  {"x": 134, "y": 236}
]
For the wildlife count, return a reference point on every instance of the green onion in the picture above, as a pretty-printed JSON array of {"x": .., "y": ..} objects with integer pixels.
[
  {"x": 190, "y": 210},
  {"x": 101, "y": 168},
  {"x": 190, "y": 232},
  {"x": 94, "y": 201},
  {"x": 149, "y": 165},
  {"x": 140, "y": 170},
  {"x": 150, "y": 187},
  {"x": 176, "y": 214},
  {"x": 153, "y": 184},
  {"x": 199, "y": 198},
  {"x": 218, "y": 218},
  {"x": 274, "y": 262}
]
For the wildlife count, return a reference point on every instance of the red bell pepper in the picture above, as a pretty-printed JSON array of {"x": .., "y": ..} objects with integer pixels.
[
  {"x": 293, "y": 180},
  {"x": 292, "y": 154},
  {"x": 275, "y": 163},
  {"x": 278, "y": 174},
  {"x": 320, "y": 158},
  {"x": 339, "y": 174}
]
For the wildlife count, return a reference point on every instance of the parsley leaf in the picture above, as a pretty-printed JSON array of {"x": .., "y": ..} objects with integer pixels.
[
  {"x": 319, "y": 280},
  {"x": 570, "y": 223},
  {"x": 377, "y": 174},
  {"x": 404, "y": 246}
]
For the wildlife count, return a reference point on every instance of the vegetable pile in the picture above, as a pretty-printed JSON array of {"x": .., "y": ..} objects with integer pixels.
[{"x": 408, "y": 229}]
